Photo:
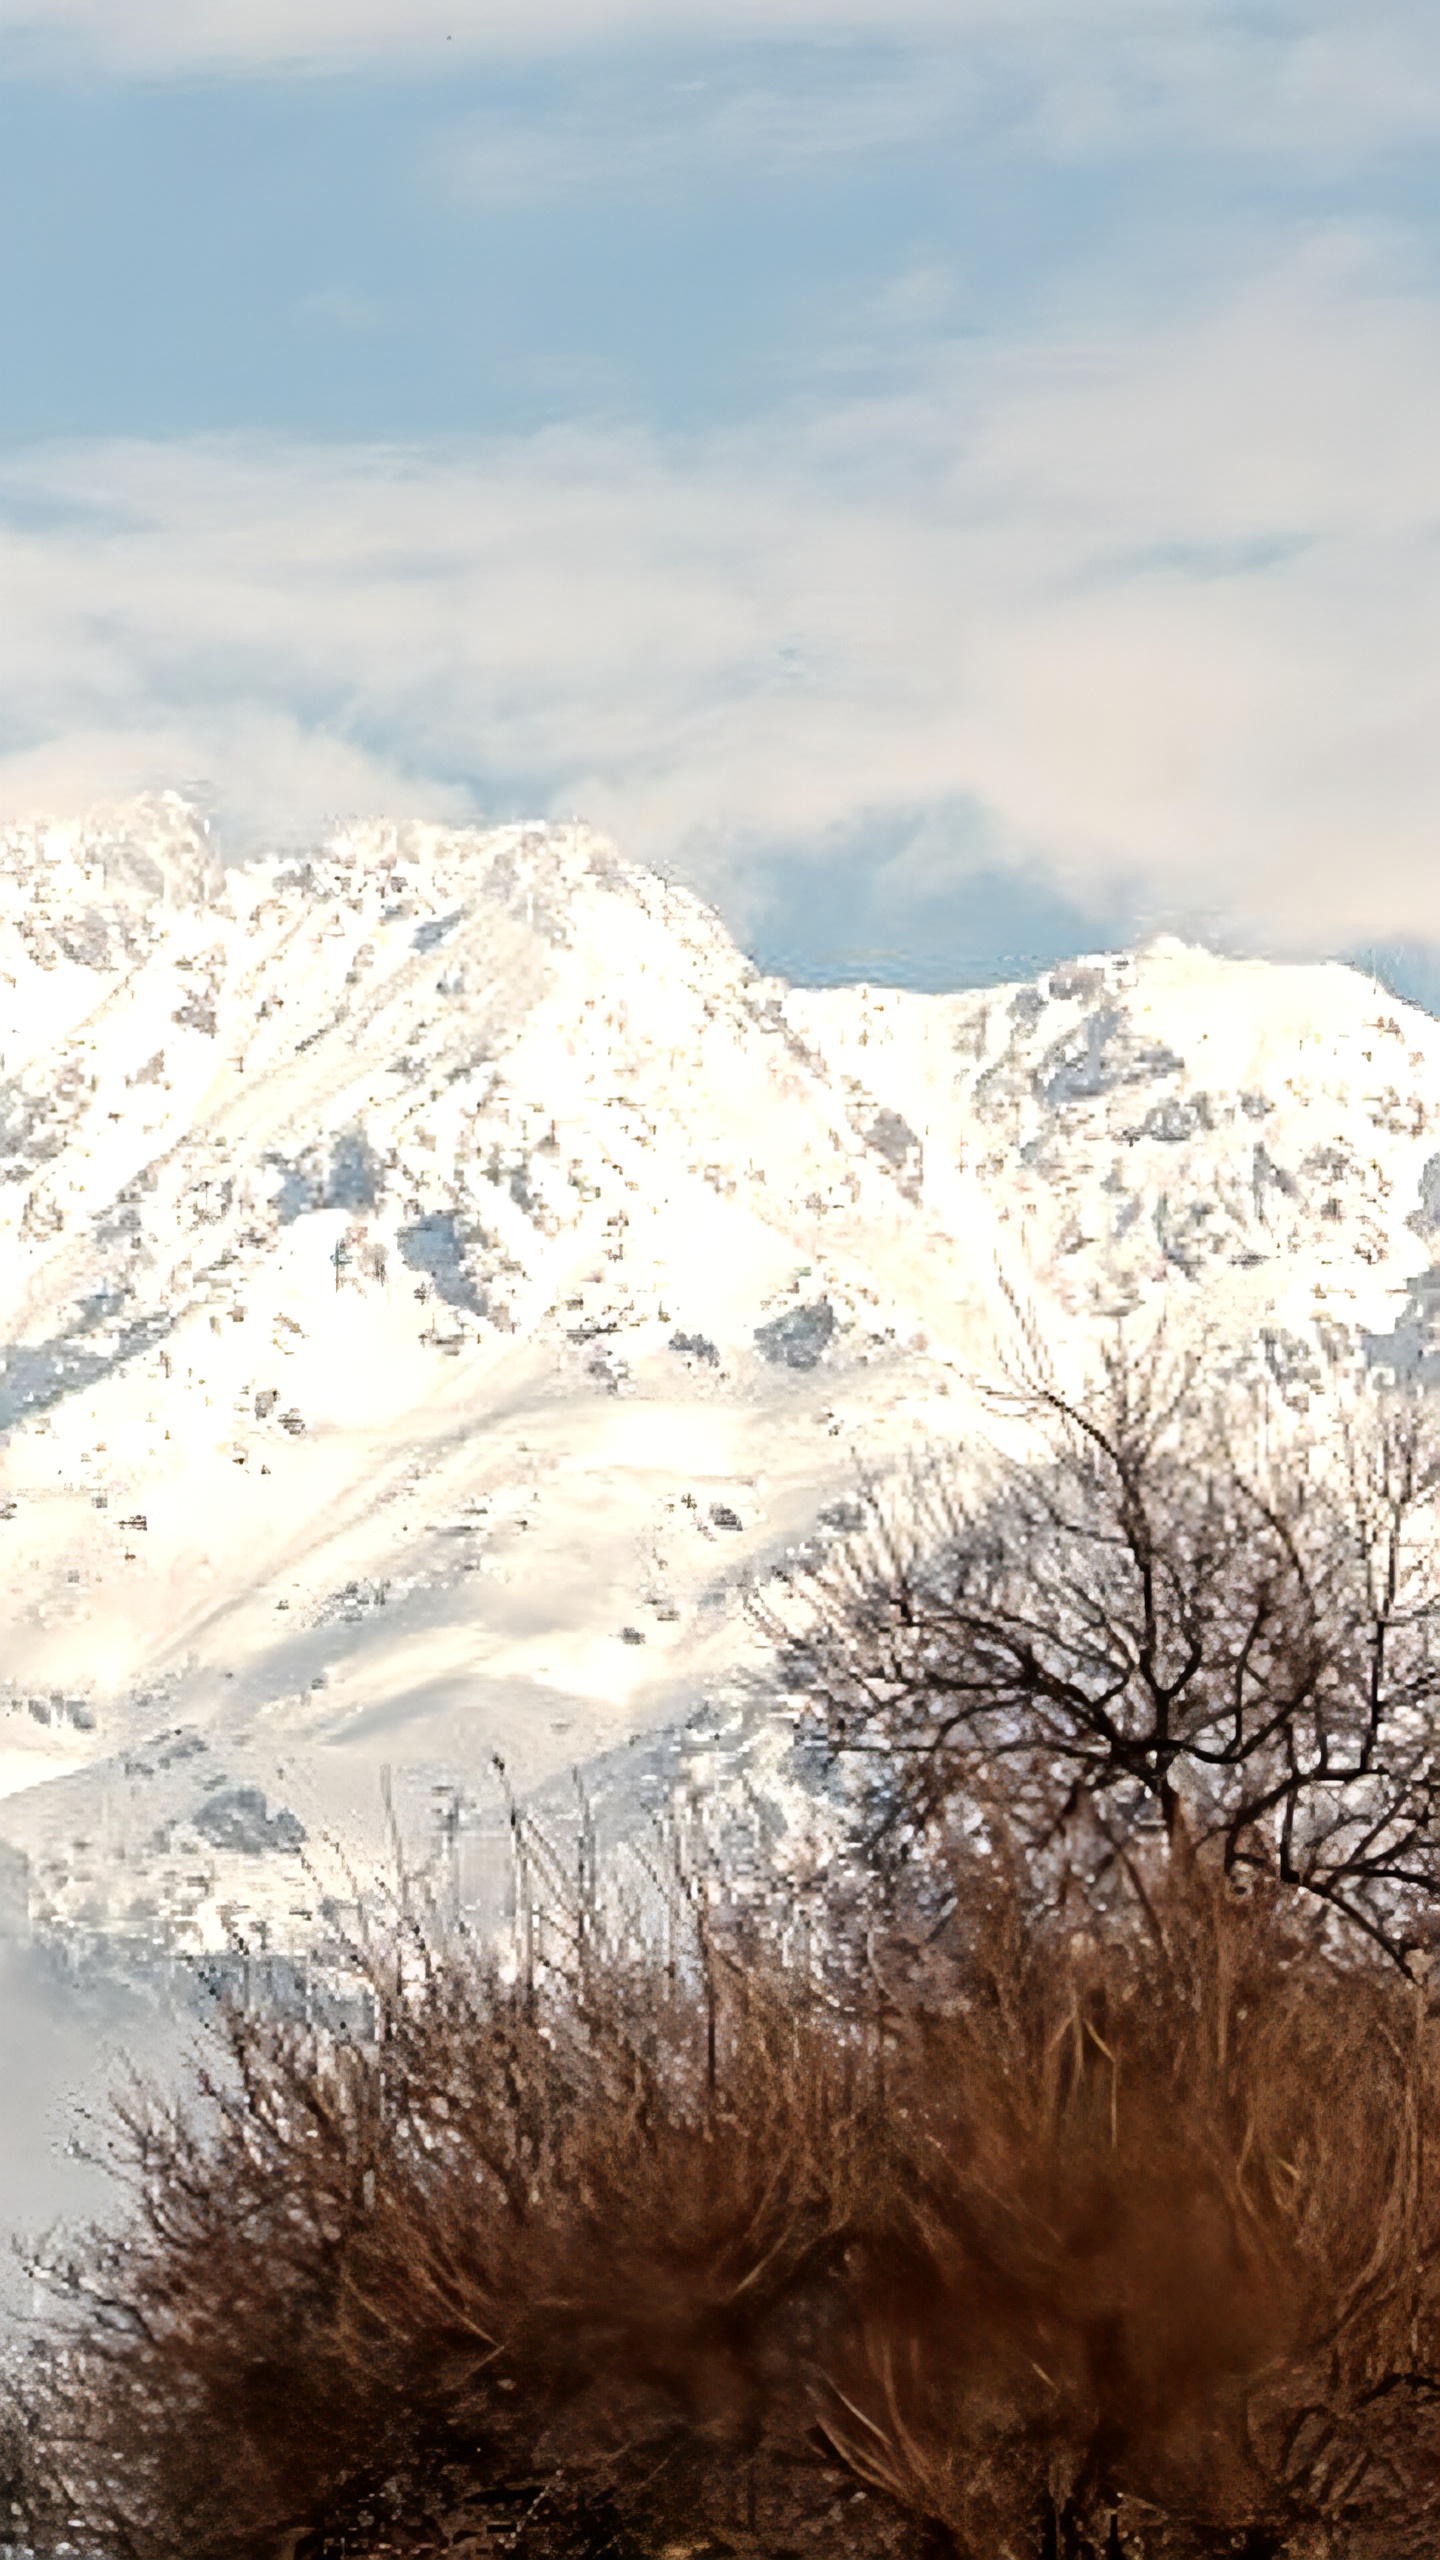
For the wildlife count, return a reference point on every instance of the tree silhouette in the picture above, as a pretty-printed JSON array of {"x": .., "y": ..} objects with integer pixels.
[{"x": 1152, "y": 1624}]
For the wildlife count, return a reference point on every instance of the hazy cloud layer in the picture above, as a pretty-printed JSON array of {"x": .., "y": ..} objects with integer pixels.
[
  {"x": 1296, "y": 73},
  {"x": 1159, "y": 612},
  {"x": 1091, "y": 82}
]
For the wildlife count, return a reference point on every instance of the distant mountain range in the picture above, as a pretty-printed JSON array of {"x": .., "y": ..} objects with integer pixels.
[{"x": 439, "y": 1270}]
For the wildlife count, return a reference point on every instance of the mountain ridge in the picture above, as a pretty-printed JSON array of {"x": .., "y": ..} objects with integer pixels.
[{"x": 440, "y": 1270}]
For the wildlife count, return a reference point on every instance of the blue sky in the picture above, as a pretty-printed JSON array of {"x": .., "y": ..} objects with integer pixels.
[{"x": 955, "y": 482}]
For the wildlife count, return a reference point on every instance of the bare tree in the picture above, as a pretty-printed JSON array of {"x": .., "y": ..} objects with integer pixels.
[{"x": 1153, "y": 1626}]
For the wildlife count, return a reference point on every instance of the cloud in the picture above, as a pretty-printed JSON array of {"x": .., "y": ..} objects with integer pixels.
[
  {"x": 154, "y": 32},
  {"x": 1158, "y": 608},
  {"x": 272, "y": 777},
  {"x": 627, "y": 130},
  {"x": 1081, "y": 75},
  {"x": 335, "y": 308},
  {"x": 307, "y": 33}
]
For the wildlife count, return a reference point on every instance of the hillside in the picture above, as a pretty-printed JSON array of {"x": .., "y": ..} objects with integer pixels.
[{"x": 438, "y": 1270}]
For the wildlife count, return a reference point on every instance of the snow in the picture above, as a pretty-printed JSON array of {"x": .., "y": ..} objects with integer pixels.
[{"x": 354, "y": 1206}]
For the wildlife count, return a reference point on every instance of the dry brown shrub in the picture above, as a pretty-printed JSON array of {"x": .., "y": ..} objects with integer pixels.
[
  {"x": 561, "y": 2235},
  {"x": 1169, "y": 2245},
  {"x": 1117, "y": 2239}
]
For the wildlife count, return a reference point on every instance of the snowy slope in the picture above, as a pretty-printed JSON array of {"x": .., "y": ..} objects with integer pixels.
[{"x": 438, "y": 1270}]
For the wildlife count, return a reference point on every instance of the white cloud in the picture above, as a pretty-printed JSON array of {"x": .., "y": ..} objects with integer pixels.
[
  {"x": 1164, "y": 606},
  {"x": 1297, "y": 75},
  {"x": 303, "y": 31},
  {"x": 306, "y": 32},
  {"x": 272, "y": 776},
  {"x": 626, "y": 131}
]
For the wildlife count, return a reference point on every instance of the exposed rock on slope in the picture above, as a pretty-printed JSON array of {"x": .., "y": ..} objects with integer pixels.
[{"x": 437, "y": 1270}]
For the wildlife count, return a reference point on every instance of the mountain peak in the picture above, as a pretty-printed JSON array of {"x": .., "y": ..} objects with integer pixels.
[
  {"x": 153, "y": 849},
  {"x": 439, "y": 1271}
]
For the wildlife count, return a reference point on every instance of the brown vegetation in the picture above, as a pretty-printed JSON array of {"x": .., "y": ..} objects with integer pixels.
[
  {"x": 1152, "y": 1617},
  {"x": 1033, "y": 2239},
  {"x": 1095, "y": 2211}
]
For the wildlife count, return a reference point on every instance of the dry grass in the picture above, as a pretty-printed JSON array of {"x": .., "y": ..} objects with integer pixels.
[{"x": 1042, "y": 2241}]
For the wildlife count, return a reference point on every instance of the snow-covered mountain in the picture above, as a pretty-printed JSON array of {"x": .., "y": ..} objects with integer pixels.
[{"x": 439, "y": 1270}]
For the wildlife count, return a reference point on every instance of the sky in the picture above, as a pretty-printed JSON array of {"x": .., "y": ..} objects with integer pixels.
[{"x": 955, "y": 481}]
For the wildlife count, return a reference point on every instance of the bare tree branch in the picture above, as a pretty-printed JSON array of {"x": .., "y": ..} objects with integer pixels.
[{"x": 1155, "y": 1617}]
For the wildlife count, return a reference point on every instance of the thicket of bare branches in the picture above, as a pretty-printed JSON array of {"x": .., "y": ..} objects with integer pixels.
[
  {"x": 1099, "y": 2215},
  {"x": 1039, "y": 2240},
  {"x": 1149, "y": 1622}
]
